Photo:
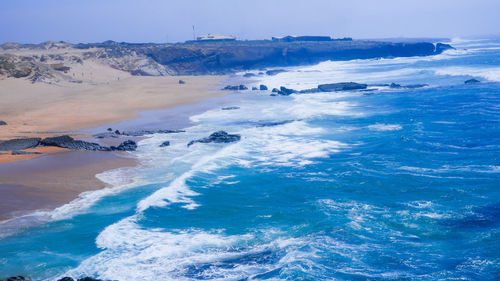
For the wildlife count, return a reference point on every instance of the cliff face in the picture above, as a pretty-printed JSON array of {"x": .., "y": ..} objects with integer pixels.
[
  {"x": 192, "y": 58},
  {"x": 221, "y": 58}
]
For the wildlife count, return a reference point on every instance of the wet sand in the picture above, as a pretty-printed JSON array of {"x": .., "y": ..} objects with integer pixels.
[
  {"x": 53, "y": 180},
  {"x": 58, "y": 176}
]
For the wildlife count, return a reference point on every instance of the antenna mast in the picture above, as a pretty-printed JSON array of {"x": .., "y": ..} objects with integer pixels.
[{"x": 194, "y": 34}]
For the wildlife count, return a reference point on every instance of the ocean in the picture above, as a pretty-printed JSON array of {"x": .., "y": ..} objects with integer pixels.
[{"x": 385, "y": 184}]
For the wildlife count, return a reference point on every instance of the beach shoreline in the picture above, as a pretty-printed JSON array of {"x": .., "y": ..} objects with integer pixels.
[{"x": 58, "y": 176}]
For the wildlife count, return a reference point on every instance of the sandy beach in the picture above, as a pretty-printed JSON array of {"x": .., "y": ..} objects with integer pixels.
[{"x": 57, "y": 176}]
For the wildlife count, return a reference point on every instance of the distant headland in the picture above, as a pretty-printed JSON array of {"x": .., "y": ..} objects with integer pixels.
[{"x": 211, "y": 54}]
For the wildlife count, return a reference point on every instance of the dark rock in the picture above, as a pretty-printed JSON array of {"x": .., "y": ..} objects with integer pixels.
[
  {"x": 2, "y": 123},
  {"x": 271, "y": 124},
  {"x": 309, "y": 91},
  {"x": 248, "y": 75},
  {"x": 263, "y": 87},
  {"x": 19, "y": 144},
  {"x": 275, "y": 71},
  {"x": 395, "y": 86},
  {"x": 231, "y": 88},
  {"x": 440, "y": 47},
  {"x": 273, "y": 95},
  {"x": 230, "y": 108},
  {"x": 242, "y": 87},
  {"x": 16, "y": 278},
  {"x": 165, "y": 143},
  {"x": 275, "y": 90},
  {"x": 128, "y": 145},
  {"x": 415, "y": 86},
  {"x": 149, "y": 132},
  {"x": 68, "y": 142},
  {"x": 109, "y": 129},
  {"x": 18, "y": 152},
  {"x": 254, "y": 88},
  {"x": 89, "y": 279},
  {"x": 105, "y": 135},
  {"x": 66, "y": 279},
  {"x": 182, "y": 82},
  {"x": 217, "y": 137},
  {"x": 285, "y": 91},
  {"x": 472, "y": 81},
  {"x": 117, "y": 132},
  {"x": 345, "y": 86}
]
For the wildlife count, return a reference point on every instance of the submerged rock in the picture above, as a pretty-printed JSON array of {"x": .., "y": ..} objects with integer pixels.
[
  {"x": 263, "y": 87},
  {"x": 275, "y": 71},
  {"x": 127, "y": 145},
  {"x": 235, "y": 88},
  {"x": 472, "y": 81},
  {"x": 141, "y": 133},
  {"x": 2, "y": 123},
  {"x": 255, "y": 88},
  {"x": 17, "y": 152},
  {"x": 249, "y": 74},
  {"x": 68, "y": 142},
  {"x": 217, "y": 137},
  {"x": 415, "y": 86},
  {"x": 182, "y": 82},
  {"x": 309, "y": 91},
  {"x": 16, "y": 278},
  {"x": 19, "y": 144},
  {"x": 231, "y": 88},
  {"x": 345, "y": 86},
  {"x": 165, "y": 143},
  {"x": 81, "y": 279},
  {"x": 230, "y": 108}
]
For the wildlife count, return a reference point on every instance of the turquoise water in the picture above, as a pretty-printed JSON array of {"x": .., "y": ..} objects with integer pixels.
[{"x": 392, "y": 184}]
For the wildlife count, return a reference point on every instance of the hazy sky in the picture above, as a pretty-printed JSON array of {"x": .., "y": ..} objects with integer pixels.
[{"x": 33, "y": 21}]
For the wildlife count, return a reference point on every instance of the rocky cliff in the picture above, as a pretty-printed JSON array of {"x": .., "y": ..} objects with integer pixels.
[{"x": 194, "y": 57}]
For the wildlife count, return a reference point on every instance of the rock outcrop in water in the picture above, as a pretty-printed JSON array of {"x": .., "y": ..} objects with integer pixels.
[
  {"x": 19, "y": 144},
  {"x": 472, "y": 81},
  {"x": 217, "y": 137},
  {"x": 165, "y": 143},
  {"x": 68, "y": 142},
  {"x": 3, "y": 123},
  {"x": 411, "y": 86},
  {"x": 345, "y": 86},
  {"x": 127, "y": 145}
]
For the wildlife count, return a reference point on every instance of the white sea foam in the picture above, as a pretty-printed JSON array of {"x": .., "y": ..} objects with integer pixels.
[
  {"x": 371, "y": 71},
  {"x": 385, "y": 127},
  {"x": 288, "y": 144},
  {"x": 488, "y": 73},
  {"x": 133, "y": 253}
]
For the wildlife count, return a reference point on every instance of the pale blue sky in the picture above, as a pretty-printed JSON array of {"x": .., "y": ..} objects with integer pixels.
[{"x": 33, "y": 21}]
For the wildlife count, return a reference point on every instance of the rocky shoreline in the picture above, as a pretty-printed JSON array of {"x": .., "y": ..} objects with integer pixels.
[{"x": 192, "y": 58}]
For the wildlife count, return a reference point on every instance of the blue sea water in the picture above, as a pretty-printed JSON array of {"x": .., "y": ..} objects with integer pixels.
[{"x": 389, "y": 184}]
